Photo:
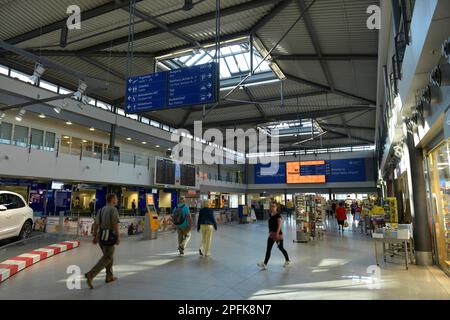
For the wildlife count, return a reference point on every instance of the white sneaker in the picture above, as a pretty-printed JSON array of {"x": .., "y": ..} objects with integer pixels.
[
  {"x": 262, "y": 265},
  {"x": 287, "y": 264}
]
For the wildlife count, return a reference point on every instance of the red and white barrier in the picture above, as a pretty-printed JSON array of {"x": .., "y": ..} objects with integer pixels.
[{"x": 10, "y": 267}]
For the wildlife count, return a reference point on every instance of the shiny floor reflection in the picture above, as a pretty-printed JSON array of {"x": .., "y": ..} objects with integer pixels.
[{"x": 341, "y": 266}]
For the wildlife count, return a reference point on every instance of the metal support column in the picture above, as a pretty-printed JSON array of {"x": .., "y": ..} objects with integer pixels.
[
  {"x": 112, "y": 142},
  {"x": 421, "y": 229}
]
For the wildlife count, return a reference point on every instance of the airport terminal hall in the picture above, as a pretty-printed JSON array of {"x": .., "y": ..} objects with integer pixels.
[{"x": 242, "y": 154}]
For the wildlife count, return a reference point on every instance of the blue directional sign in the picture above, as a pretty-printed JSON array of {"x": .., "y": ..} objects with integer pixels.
[
  {"x": 194, "y": 85},
  {"x": 170, "y": 89},
  {"x": 146, "y": 92}
]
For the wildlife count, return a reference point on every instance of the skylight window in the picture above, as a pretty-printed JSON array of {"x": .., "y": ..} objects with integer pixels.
[{"x": 235, "y": 61}]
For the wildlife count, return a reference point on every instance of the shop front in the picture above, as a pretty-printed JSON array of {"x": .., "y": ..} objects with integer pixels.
[{"x": 438, "y": 161}]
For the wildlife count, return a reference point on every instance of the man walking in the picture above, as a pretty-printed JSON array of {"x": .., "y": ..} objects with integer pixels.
[
  {"x": 181, "y": 218},
  {"x": 106, "y": 234}
]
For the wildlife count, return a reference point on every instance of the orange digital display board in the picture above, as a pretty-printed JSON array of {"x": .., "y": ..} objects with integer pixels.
[{"x": 293, "y": 172}]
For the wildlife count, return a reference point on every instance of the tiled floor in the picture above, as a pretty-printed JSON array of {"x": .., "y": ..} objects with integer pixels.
[{"x": 333, "y": 268}]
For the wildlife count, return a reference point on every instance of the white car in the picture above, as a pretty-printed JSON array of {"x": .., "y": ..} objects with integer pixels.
[{"x": 16, "y": 217}]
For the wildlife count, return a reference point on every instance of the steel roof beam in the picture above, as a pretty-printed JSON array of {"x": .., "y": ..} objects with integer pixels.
[
  {"x": 180, "y": 24},
  {"x": 281, "y": 117},
  {"x": 324, "y": 57},
  {"x": 257, "y": 105},
  {"x": 346, "y": 136},
  {"x": 339, "y": 126},
  {"x": 85, "y": 15},
  {"x": 101, "y": 66},
  {"x": 274, "y": 12},
  {"x": 161, "y": 25},
  {"x": 69, "y": 53},
  {"x": 326, "y": 88}
]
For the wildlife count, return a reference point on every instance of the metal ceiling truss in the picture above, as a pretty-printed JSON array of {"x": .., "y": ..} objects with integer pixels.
[
  {"x": 324, "y": 57},
  {"x": 85, "y": 15},
  {"x": 326, "y": 88},
  {"x": 161, "y": 25},
  {"x": 250, "y": 5},
  {"x": 257, "y": 105},
  {"x": 273, "y": 13},
  {"x": 282, "y": 117}
]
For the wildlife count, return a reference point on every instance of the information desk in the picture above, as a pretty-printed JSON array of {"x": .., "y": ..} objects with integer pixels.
[{"x": 394, "y": 248}]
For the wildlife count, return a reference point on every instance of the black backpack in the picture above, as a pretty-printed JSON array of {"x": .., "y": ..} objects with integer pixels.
[{"x": 178, "y": 218}]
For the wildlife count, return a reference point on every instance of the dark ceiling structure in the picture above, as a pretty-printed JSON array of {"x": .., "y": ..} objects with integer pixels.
[{"x": 329, "y": 58}]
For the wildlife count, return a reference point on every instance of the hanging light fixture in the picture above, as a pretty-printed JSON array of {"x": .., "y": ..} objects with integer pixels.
[
  {"x": 20, "y": 114},
  {"x": 38, "y": 72},
  {"x": 82, "y": 86}
]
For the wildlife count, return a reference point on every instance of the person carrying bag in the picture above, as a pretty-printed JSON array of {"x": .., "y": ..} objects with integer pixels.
[{"x": 107, "y": 234}]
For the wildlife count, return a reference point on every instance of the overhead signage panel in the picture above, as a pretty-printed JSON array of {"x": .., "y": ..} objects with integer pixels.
[
  {"x": 171, "y": 89},
  {"x": 146, "y": 92},
  {"x": 191, "y": 86}
]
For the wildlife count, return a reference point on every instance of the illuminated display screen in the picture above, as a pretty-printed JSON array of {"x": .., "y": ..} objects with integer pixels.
[{"x": 306, "y": 172}]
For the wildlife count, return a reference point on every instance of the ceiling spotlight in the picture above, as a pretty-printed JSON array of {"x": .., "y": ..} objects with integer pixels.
[
  {"x": 19, "y": 116},
  {"x": 82, "y": 86},
  {"x": 57, "y": 109},
  {"x": 188, "y": 5},
  {"x": 38, "y": 72},
  {"x": 66, "y": 137},
  {"x": 129, "y": 139},
  {"x": 91, "y": 129},
  {"x": 144, "y": 142},
  {"x": 42, "y": 116},
  {"x": 157, "y": 146},
  {"x": 69, "y": 123}
]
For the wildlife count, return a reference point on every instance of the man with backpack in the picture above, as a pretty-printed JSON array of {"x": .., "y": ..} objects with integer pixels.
[
  {"x": 181, "y": 218},
  {"x": 106, "y": 233}
]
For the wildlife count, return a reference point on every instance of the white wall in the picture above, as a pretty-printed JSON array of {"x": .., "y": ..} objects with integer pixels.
[{"x": 17, "y": 162}]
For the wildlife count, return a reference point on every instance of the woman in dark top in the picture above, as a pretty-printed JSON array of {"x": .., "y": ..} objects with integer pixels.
[
  {"x": 205, "y": 224},
  {"x": 275, "y": 235}
]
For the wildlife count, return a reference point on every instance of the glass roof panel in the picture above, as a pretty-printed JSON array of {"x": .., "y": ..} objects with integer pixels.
[{"x": 234, "y": 61}]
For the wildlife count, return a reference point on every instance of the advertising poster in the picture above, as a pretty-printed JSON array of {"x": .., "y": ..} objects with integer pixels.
[
  {"x": 52, "y": 225},
  {"x": 85, "y": 226}
]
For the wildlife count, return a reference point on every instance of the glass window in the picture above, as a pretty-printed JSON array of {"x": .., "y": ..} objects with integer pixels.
[
  {"x": 11, "y": 201},
  {"x": 76, "y": 146},
  {"x": 121, "y": 112},
  {"x": 37, "y": 138},
  {"x": 5, "y": 132},
  {"x": 98, "y": 147},
  {"x": 439, "y": 173},
  {"x": 154, "y": 123},
  {"x": 21, "y": 76},
  {"x": 20, "y": 136},
  {"x": 50, "y": 138},
  {"x": 47, "y": 85},
  {"x": 63, "y": 90},
  {"x": 91, "y": 101},
  {"x": 232, "y": 64},
  {"x": 103, "y": 105},
  {"x": 145, "y": 120},
  {"x": 4, "y": 70}
]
